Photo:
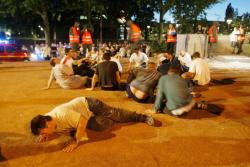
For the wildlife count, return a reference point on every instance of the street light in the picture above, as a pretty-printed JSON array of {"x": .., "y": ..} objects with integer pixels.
[
  {"x": 148, "y": 32},
  {"x": 102, "y": 16},
  {"x": 229, "y": 21},
  {"x": 122, "y": 22}
]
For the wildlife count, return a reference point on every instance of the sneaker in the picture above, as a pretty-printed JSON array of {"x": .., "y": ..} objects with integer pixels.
[
  {"x": 202, "y": 105},
  {"x": 195, "y": 94},
  {"x": 150, "y": 121}
]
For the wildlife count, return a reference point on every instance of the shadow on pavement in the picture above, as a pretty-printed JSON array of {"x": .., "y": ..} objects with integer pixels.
[
  {"x": 224, "y": 81},
  {"x": 213, "y": 110},
  {"x": 15, "y": 145}
]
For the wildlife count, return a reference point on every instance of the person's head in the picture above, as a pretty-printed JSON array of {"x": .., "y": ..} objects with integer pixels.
[
  {"x": 129, "y": 23},
  {"x": 174, "y": 69},
  {"x": 168, "y": 54},
  {"x": 215, "y": 24},
  {"x": 76, "y": 24},
  {"x": 42, "y": 125},
  {"x": 182, "y": 53},
  {"x": 73, "y": 54},
  {"x": 54, "y": 61},
  {"x": 196, "y": 55},
  {"x": 106, "y": 56},
  {"x": 136, "y": 49},
  {"x": 199, "y": 27},
  {"x": 170, "y": 26}
]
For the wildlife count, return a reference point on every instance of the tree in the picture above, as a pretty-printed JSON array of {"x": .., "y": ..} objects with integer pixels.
[
  {"x": 187, "y": 12},
  {"x": 144, "y": 13},
  {"x": 163, "y": 7},
  {"x": 229, "y": 12}
]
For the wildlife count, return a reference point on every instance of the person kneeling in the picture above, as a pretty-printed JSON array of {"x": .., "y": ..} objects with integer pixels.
[
  {"x": 173, "y": 96},
  {"x": 141, "y": 83}
]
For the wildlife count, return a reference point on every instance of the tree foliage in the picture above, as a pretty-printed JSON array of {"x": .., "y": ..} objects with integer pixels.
[
  {"x": 29, "y": 14},
  {"x": 187, "y": 12},
  {"x": 229, "y": 12}
]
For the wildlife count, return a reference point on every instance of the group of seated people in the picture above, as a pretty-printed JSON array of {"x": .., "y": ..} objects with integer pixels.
[{"x": 173, "y": 77}]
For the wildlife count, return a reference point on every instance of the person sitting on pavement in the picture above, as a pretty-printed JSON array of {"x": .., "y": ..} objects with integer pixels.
[
  {"x": 64, "y": 76},
  {"x": 115, "y": 59},
  {"x": 138, "y": 59},
  {"x": 199, "y": 70},
  {"x": 142, "y": 82},
  {"x": 80, "y": 67},
  {"x": 77, "y": 115},
  {"x": 170, "y": 60},
  {"x": 107, "y": 74},
  {"x": 185, "y": 60},
  {"x": 173, "y": 95}
]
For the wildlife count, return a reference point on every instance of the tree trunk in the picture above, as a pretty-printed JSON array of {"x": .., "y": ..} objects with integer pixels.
[
  {"x": 89, "y": 14},
  {"x": 160, "y": 25},
  {"x": 47, "y": 28}
]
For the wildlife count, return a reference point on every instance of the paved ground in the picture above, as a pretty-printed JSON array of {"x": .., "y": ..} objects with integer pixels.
[{"x": 198, "y": 139}]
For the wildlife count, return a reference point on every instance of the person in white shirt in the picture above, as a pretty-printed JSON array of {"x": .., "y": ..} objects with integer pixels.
[
  {"x": 68, "y": 59},
  {"x": 61, "y": 50},
  {"x": 80, "y": 67},
  {"x": 148, "y": 50},
  {"x": 47, "y": 52},
  {"x": 122, "y": 51},
  {"x": 80, "y": 113},
  {"x": 138, "y": 59},
  {"x": 234, "y": 36},
  {"x": 38, "y": 52},
  {"x": 185, "y": 60},
  {"x": 64, "y": 76},
  {"x": 116, "y": 60},
  {"x": 199, "y": 71}
]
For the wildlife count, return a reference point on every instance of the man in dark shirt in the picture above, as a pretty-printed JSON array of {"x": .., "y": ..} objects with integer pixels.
[
  {"x": 141, "y": 83},
  {"x": 170, "y": 60},
  {"x": 107, "y": 74}
]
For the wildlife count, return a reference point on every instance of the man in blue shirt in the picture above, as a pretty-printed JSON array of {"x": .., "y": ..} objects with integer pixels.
[{"x": 170, "y": 60}]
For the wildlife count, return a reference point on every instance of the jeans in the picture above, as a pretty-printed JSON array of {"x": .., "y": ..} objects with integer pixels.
[
  {"x": 131, "y": 95},
  {"x": 105, "y": 116}
]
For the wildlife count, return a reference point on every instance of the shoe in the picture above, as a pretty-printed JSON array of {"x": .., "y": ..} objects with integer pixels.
[
  {"x": 150, "y": 121},
  {"x": 202, "y": 105},
  {"x": 195, "y": 94}
]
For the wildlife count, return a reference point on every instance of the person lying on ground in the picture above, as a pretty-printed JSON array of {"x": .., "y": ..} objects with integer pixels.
[
  {"x": 64, "y": 76},
  {"x": 79, "y": 114},
  {"x": 142, "y": 82}
]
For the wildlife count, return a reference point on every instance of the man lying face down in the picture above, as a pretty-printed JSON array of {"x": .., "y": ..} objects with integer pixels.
[{"x": 77, "y": 115}]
